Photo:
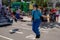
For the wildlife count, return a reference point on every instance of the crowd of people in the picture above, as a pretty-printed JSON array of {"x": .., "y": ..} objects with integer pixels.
[
  {"x": 52, "y": 13},
  {"x": 7, "y": 12},
  {"x": 38, "y": 15}
]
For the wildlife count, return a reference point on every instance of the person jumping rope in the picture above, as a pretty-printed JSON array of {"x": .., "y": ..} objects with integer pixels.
[{"x": 36, "y": 20}]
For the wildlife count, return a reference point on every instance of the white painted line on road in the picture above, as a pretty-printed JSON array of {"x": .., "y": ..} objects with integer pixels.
[
  {"x": 25, "y": 28},
  {"x": 41, "y": 29},
  {"x": 44, "y": 31},
  {"x": 30, "y": 37},
  {"x": 19, "y": 32},
  {"x": 6, "y": 37},
  {"x": 22, "y": 28}
]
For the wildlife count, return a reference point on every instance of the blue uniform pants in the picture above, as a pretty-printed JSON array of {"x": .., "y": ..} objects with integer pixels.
[
  {"x": 17, "y": 16},
  {"x": 35, "y": 26}
]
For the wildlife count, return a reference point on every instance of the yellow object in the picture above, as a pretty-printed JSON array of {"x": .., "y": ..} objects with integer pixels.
[
  {"x": 31, "y": 6},
  {"x": 48, "y": 18}
]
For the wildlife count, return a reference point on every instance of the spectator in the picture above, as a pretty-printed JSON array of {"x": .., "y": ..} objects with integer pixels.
[
  {"x": 53, "y": 15},
  {"x": 13, "y": 15},
  {"x": 57, "y": 16},
  {"x": 45, "y": 13},
  {"x": 17, "y": 14}
]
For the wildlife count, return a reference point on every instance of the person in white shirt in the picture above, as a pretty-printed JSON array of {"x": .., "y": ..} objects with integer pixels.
[{"x": 57, "y": 16}]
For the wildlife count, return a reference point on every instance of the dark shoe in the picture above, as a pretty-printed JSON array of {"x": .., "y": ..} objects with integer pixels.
[
  {"x": 37, "y": 36},
  {"x": 12, "y": 32},
  {"x": 15, "y": 20}
]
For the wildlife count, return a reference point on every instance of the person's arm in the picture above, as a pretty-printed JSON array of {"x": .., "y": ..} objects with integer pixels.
[
  {"x": 45, "y": 16},
  {"x": 30, "y": 16},
  {"x": 42, "y": 15}
]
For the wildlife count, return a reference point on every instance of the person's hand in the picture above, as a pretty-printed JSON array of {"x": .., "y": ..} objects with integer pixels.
[
  {"x": 48, "y": 16},
  {"x": 30, "y": 17},
  {"x": 44, "y": 16}
]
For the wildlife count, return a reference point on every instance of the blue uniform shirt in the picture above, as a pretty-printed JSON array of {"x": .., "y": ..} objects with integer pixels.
[{"x": 36, "y": 14}]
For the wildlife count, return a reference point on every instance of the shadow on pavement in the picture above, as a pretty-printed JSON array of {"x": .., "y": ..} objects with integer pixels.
[
  {"x": 5, "y": 25},
  {"x": 13, "y": 31}
]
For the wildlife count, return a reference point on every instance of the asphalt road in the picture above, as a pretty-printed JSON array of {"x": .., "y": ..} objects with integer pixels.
[{"x": 25, "y": 32}]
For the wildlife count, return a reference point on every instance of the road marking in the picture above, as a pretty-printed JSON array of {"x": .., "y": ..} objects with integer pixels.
[
  {"x": 17, "y": 32},
  {"x": 30, "y": 28},
  {"x": 22, "y": 28},
  {"x": 26, "y": 28},
  {"x": 6, "y": 37},
  {"x": 42, "y": 29},
  {"x": 30, "y": 37},
  {"x": 46, "y": 31}
]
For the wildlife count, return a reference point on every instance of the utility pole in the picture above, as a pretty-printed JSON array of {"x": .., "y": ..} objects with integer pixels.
[
  {"x": 21, "y": 0},
  {"x": 0, "y": 3},
  {"x": 9, "y": 1},
  {"x": 54, "y": 4}
]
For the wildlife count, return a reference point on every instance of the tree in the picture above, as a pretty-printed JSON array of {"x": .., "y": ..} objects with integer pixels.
[
  {"x": 42, "y": 2},
  {"x": 18, "y": 0},
  {"x": 4, "y": 2}
]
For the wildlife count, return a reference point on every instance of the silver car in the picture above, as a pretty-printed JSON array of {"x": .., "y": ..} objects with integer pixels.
[{"x": 5, "y": 20}]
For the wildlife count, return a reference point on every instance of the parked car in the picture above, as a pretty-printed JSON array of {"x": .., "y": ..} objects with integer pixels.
[
  {"x": 5, "y": 20},
  {"x": 5, "y": 17}
]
